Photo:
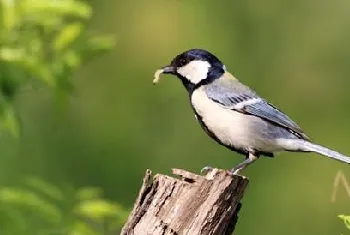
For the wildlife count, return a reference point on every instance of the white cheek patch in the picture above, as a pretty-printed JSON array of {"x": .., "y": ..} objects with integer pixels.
[{"x": 195, "y": 71}]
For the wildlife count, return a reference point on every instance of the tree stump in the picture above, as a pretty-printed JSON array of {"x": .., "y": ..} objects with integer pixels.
[{"x": 189, "y": 205}]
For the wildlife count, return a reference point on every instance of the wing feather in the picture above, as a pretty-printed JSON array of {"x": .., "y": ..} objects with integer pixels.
[{"x": 233, "y": 95}]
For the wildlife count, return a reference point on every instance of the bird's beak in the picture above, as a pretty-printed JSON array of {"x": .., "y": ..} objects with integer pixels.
[{"x": 166, "y": 70}]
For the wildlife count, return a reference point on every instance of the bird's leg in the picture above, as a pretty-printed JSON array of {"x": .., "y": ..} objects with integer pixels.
[{"x": 249, "y": 160}]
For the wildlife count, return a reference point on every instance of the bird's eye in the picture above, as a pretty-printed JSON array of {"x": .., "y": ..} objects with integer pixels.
[{"x": 183, "y": 61}]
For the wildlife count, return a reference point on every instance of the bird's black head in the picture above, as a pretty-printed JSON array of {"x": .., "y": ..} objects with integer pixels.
[{"x": 195, "y": 66}]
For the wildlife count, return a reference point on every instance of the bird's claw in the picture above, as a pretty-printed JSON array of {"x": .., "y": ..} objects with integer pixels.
[
  {"x": 235, "y": 171},
  {"x": 206, "y": 170}
]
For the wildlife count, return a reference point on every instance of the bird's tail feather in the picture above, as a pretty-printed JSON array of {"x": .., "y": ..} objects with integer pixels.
[{"x": 308, "y": 146}]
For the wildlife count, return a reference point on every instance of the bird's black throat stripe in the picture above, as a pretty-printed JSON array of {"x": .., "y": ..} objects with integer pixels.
[{"x": 190, "y": 87}]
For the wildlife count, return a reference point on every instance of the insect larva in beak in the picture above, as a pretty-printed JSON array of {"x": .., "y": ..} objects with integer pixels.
[{"x": 157, "y": 76}]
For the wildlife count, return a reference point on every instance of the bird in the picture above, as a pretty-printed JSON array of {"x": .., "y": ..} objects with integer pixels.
[{"x": 234, "y": 115}]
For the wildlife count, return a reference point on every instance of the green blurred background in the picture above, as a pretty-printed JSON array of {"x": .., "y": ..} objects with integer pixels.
[{"x": 295, "y": 53}]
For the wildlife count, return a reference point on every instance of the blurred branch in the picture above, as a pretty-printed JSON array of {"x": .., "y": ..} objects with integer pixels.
[
  {"x": 46, "y": 41},
  {"x": 192, "y": 205},
  {"x": 338, "y": 180}
]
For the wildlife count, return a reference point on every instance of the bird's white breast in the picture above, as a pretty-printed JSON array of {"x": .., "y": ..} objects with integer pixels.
[{"x": 232, "y": 128}]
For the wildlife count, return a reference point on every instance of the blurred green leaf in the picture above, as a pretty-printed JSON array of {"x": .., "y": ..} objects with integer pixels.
[
  {"x": 85, "y": 212},
  {"x": 64, "y": 7},
  {"x": 45, "y": 188},
  {"x": 346, "y": 220},
  {"x": 101, "y": 43},
  {"x": 71, "y": 59},
  {"x": 88, "y": 193},
  {"x": 81, "y": 228},
  {"x": 39, "y": 70},
  {"x": 12, "y": 54},
  {"x": 43, "y": 41},
  {"x": 31, "y": 201},
  {"x": 15, "y": 220},
  {"x": 95, "y": 46},
  {"x": 97, "y": 209},
  {"x": 67, "y": 35},
  {"x": 9, "y": 120},
  {"x": 9, "y": 14}
]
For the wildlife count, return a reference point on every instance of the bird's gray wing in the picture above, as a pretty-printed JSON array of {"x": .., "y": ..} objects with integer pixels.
[{"x": 233, "y": 95}]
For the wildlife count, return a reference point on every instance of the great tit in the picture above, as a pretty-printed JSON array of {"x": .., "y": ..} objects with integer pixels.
[{"x": 234, "y": 115}]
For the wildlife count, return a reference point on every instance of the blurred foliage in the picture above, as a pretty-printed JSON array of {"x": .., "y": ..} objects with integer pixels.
[
  {"x": 346, "y": 219},
  {"x": 45, "y": 41},
  {"x": 37, "y": 207}
]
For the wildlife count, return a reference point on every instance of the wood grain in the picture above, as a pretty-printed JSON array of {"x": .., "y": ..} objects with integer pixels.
[{"x": 188, "y": 204}]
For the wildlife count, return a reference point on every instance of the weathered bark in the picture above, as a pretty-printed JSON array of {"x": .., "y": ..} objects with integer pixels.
[{"x": 191, "y": 205}]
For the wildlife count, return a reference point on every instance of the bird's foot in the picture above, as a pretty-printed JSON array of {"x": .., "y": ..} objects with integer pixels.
[
  {"x": 236, "y": 171},
  {"x": 233, "y": 171},
  {"x": 206, "y": 170}
]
